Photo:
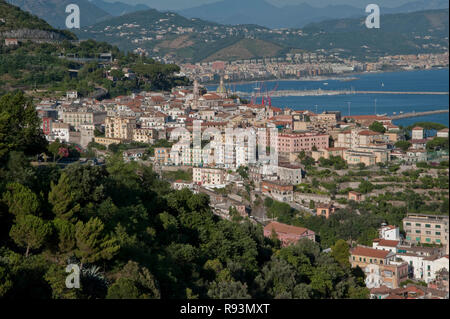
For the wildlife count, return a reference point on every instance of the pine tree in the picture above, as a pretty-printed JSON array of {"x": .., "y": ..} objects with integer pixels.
[
  {"x": 93, "y": 245},
  {"x": 62, "y": 199},
  {"x": 30, "y": 232}
]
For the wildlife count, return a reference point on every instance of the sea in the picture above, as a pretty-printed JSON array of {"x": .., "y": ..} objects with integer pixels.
[{"x": 436, "y": 80}]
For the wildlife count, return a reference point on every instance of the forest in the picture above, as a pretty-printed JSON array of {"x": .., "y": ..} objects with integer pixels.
[{"x": 133, "y": 237}]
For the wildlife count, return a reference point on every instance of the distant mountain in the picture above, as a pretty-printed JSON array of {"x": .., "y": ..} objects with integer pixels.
[
  {"x": 118, "y": 8},
  {"x": 420, "y": 5},
  {"x": 262, "y": 13},
  {"x": 15, "y": 23},
  {"x": 175, "y": 38},
  {"x": 54, "y": 11}
]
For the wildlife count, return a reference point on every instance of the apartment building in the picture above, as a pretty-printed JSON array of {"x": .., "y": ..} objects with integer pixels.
[
  {"x": 288, "y": 234},
  {"x": 162, "y": 155},
  {"x": 290, "y": 174},
  {"x": 426, "y": 229},
  {"x": 120, "y": 127},
  {"x": 280, "y": 191},
  {"x": 59, "y": 131},
  {"x": 144, "y": 135},
  {"x": 297, "y": 142},
  {"x": 208, "y": 176},
  {"x": 355, "y": 158},
  {"x": 77, "y": 118},
  {"x": 380, "y": 266}
]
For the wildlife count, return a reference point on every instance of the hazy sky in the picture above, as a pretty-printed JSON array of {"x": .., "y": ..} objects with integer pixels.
[{"x": 182, "y": 4}]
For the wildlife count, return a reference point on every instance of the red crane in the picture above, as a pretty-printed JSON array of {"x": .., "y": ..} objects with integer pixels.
[{"x": 269, "y": 95}]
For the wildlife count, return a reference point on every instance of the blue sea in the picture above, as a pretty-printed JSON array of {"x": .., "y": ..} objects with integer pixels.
[{"x": 361, "y": 104}]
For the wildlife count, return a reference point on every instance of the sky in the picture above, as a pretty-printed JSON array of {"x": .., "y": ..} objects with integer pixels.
[{"x": 183, "y": 4}]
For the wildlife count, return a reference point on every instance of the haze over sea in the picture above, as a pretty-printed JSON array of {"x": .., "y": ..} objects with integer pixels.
[{"x": 362, "y": 104}]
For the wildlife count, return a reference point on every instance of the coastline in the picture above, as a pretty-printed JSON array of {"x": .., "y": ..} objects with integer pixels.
[{"x": 348, "y": 76}]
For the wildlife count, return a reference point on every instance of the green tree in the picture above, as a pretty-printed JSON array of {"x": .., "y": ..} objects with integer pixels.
[
  {"x": 21, "y": 200},
  {"x": 62, "y": 198},
  {"x": 30, "y": 232},
  {"x": 19, "y": 126},
  {"x": 228, "y": 290},
  {"x": 92, "y": 244},
  {"x": 403, "y": 145},
  {"x": 123, "y": 288},
  {"x": 340, "y": 252},
  {"x": 65, "y": 232},
  {"x": 377, "y": 127}
]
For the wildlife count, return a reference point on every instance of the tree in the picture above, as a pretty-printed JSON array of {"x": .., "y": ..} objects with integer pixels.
[
  {"x": 20, "y": 200},
  {"x": 123, "y": 288},
  {"x": 228, "y": 290},
  {"x": 138, "y": 277},
  {"x": 19, "y": 126},
  {"x": 243, "y": 171},
  {"x": 340, "y": 252},
  {"x": 403, "y": 145},
  {"x": 5, "y": 281},
  {"x": 366, "y": 187},
  {"x": 92, "y": 244},
  {"x": 438, "y": 143},
  {"x": 62, "y": 198},
  {"x": 66, "y": 235},
  {"x": 30, "y": 232},
  {"x": 377, "y": 127}
]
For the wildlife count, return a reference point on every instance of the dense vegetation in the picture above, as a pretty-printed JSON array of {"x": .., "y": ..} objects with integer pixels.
[
  {"x": 40, "y": 66},
  {"x": 134, "y": 237}
]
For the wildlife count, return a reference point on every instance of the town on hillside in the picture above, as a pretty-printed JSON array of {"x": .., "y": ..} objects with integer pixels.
[{"x": 325, "y": 165}]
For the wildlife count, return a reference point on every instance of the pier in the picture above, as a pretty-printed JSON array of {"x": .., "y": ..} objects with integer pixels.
[{"x": 416, "y": 114}]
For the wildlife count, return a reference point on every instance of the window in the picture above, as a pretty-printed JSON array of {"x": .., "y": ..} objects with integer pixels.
[
  {"x": 417, "y": 231},
  {"x": 438, "y": 233},
  {"x": 438, "y": 226},
  {"x": 428, "y": 240},
  {"x": 418, "y": 225},
  {"x": 427, "y": 225}
]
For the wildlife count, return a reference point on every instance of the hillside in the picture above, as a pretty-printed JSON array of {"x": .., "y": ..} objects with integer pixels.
[
  {"x": 54, "y": 11},
  {"x": 169, "y": 35},
  {"x": 15, "y": 23},
  {"x": 52, "y": 63},
  {"x": 174, "y": 38},
  {"x": 246, "y": 49},
  {"x": 117, "y": 8}
]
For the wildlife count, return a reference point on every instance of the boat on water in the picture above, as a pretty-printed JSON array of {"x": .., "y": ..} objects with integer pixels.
[{"x": 349, "y": 79}]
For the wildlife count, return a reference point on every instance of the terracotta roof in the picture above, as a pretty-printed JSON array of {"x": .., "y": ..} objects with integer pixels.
[
  {"x": 368, "y": 133},
  {"x": 388, "y": 243},
  {"x": 417, "y": 128},
  {"x": 369, "y": 252},
  {"x": 287, "y": 229}
]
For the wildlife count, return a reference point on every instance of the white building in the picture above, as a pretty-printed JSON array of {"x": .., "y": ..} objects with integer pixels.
[
  {"x": 389, "y": 232},
  {"x": 60, "y": 131},
  {"x": 208, "y": 176},
  {"x": 432, "y": 265},
  {"x": 384, "y": 244},
  {"x": 417, "y": 133}
]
